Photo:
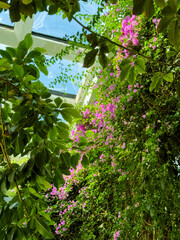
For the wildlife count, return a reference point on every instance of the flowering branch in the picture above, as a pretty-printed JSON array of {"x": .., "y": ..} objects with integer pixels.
[{"x": 132, "y": 51}]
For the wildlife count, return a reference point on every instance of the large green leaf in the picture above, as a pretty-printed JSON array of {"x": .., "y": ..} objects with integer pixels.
[
  {"x": 42, "y": 228},
  {"x": 174, "y": 32},
  {"x": 138, "y": 6},
  {"x": 139, "y": 65},
  {"x": 156, "y": 81},
  {"x": 168, "y": 77},
  {"x": 74, "y": 160},
  {"x": 18, "y": 70},
  {"x": 28, "y": 40},
  {"x": 90, "y": 58},
  {"x": 125, "y": 69},
  {"x": 149, "y": 8},
  {"x": 4, "y": 5},
  {"x": 85, "y": 161},
  {"x": 160, "y": 3}
]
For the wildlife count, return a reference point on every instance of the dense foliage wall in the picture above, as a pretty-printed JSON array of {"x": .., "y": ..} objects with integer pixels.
[
  {"x": 130, "y": 137},
  {"x": 117, "y": 176}
]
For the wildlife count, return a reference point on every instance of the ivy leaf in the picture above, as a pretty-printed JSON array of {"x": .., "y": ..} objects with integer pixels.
[
  {"x": 85, "y": 161},
  {"x": 4, "y": 5},
  {"x": 42, "y": 228},
  {"x": 90, "y": 58}
]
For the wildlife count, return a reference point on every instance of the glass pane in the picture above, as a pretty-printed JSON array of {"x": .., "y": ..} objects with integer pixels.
[
  {"x": 2, "y": 46},
  {"x": 56, "y": 26},
  {"x": 62, "y": 72},
  {"x": 4, "y": 18}
]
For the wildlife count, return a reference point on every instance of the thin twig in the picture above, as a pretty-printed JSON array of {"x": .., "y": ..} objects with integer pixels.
[
  {"x": 12, "y": 85},
  {"x": 133, "y": 51},
  {"x": 3, "y": 147}
]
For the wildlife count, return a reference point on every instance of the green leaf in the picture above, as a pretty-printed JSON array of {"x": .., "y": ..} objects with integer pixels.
[
  {"x": 67, "y": 105},
  {"x": 4, "y": 5},
  {"x": 41, "y": 50},
  {"x": 28, "y": 40},
  {"x": 6, "y": 55},
  {"x": 67, "y": 117},
  {"x": 168, "y": 77},
  {"x": 92, "y": 39},
  {"x": 138, "y": 6},
  {"x": 14, "y": 11},
  {"x": 178, "y": 88},
  {"x": 4, "y": 187},
  {"x": 26, "y": 1},
  {"x": 58, "y": 101},
  {"x": 72, "y": 112},
  {"x": 174, "y": 32},
  {"x": 132, "y": 76},
  {"x": 173, "y": 4},
  {"x": 90, "y": 58},
  {"x": 58, "y": 180},
  {"x": 62, "y": 133},
  {"x": 149, "y": 8},
  {"x": 42, "y": 228},
  {"x": 125, "y": 69},
  {"x": 42, "y": 181},
  {"x": 4, "y": 65},
  {"x": 75, "y": 159},
  {"x": 160, "y": 3},
  {"x": 21, "y": 50},
  {"x": 103, "y": 59},
  {"x": 85, "y": 161},
  {"x": 11, "y": 177},
  {"x": 139, "y": 65},
  {"x": 156, "y": 82},
  {"x": 164, "y": 22},
  {"x": 18, "y": 70},
  {"x": 33, "y": 192},
  {"x": 11, "y": 51}
]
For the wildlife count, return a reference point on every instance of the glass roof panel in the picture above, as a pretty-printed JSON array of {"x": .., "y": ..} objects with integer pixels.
[
  {"x": 56, "y": 26},
  {"x": 4, "y": 18},
  {"x": 2, "y": 46},
  {"x": 60, "y": 73}
]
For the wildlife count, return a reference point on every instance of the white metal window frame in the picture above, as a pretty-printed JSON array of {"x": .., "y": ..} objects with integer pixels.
[{"x": 12, "y": 36}]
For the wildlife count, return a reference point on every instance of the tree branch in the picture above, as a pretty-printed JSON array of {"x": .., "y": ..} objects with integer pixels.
[{"x": 132, "y": 51}]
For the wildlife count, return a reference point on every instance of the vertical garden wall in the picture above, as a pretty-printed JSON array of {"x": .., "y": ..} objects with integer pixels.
[{"x": 117, "y": 175}]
